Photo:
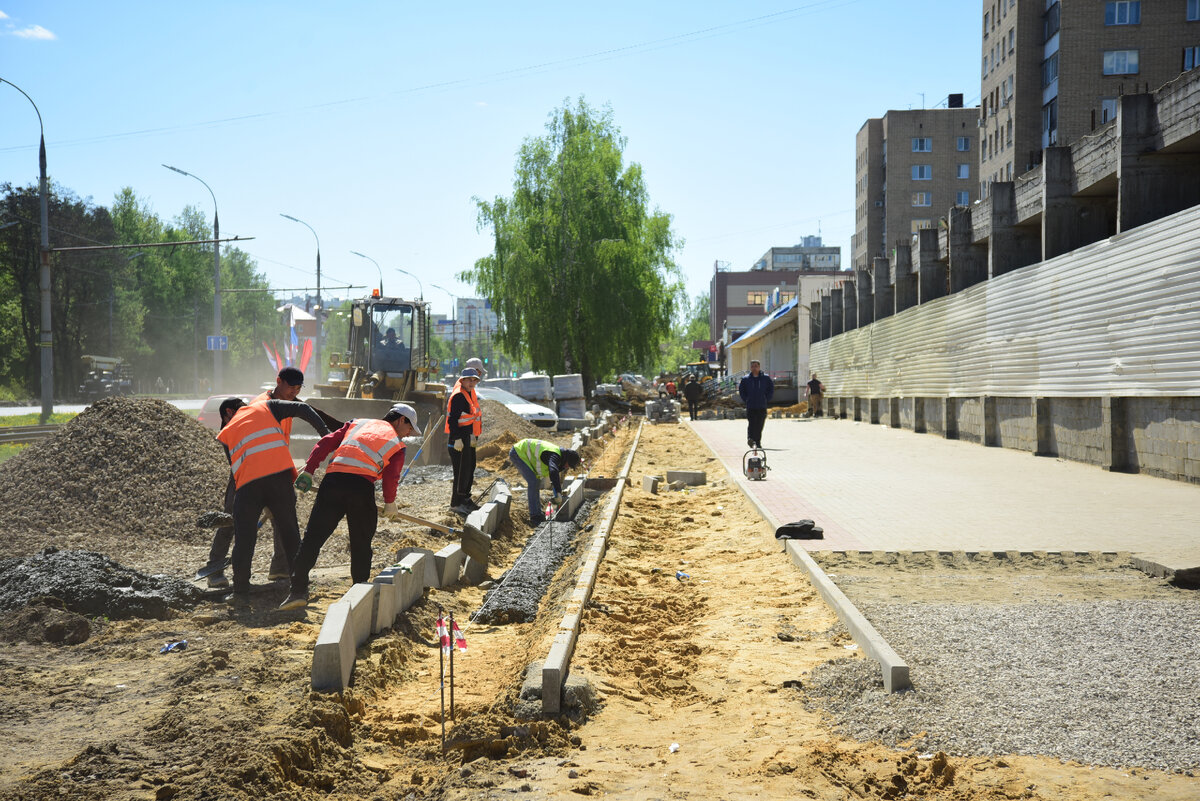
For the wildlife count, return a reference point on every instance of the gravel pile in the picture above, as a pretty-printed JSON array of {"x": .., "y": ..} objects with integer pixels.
[
  {"x": 520, "y": 591},
  {"x": 138, "y": 467},
  {"x": 498, "y": 418},
  {"x": 1112, "y": 683}
]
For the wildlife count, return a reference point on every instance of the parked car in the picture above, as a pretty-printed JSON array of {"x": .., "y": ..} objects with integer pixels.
[
  {"x": 538, "y": 415},
  {"x": 210, "y": 412}
]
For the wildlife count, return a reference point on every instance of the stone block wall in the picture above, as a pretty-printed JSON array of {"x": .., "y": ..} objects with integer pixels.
[
  {"x": 1076, "y": 429},
  {"x": 935, "y": 416},
  {"x": 970, "y": 419},
  {"x": 1015, "y": 424},
  {"x": 1162, "y": 437}
]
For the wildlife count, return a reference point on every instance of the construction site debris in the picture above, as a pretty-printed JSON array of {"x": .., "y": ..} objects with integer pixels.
[
  {"x": 137, "y": 466},
  {"x": 93, "y": 585}
]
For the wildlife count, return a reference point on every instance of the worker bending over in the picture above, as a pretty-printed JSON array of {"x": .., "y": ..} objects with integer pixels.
[
  {"x": 364, "y": 451},
  {"x": 535, "y": 459},
  {"x": 262, "y": 477}
]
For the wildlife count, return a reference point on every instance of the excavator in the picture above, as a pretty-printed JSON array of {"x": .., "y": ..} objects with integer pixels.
[{"x": 386, "y": 360}]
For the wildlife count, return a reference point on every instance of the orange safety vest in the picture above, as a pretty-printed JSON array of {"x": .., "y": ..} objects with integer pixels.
[
  {"x": 286, "y": 425},
  {"x": 257, "y": 446},
  {"x": 474, "y": 417},
  {"x": 366, "y": 449}
]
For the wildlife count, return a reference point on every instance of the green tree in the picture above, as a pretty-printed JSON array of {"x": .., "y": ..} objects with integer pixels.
[
  {"x": 581, "y": 275},
  {"x": 691, "y": 324}
]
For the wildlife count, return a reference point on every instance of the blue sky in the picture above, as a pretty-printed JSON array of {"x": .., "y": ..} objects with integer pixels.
[{"x": 376, "y": 123}]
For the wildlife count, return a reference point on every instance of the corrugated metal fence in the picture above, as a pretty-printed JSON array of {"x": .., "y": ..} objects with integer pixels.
[{"x": 1117, "y": 318}]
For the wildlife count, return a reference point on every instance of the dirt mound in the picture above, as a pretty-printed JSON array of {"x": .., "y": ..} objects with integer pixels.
[
  {"x": 498, "y": 418},
  {"x": 45, "y": 620},
  {"x": 137, "y": 466},
  {"x": 93, "y": 585}
]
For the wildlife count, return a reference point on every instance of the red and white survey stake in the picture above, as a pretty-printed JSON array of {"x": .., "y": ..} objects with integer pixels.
[
  {"x": 443, "y": 635},
  {"x": 460, "y": 642}
]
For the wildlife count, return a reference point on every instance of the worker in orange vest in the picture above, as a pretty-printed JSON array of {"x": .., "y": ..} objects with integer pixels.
[
  {"x": 288, "y": 384},
  {"x": 464, "y": 424},
  {"x": 262, "y": 477},
  {"x": 364, "y": 451}
]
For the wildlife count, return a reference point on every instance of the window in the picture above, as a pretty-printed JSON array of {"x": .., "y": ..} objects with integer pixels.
[
  {"x": 1050, "y": 122},
  {"x": 1108, "y": 109},
  {"x": 1125, "y": 12},
  {"x": 922, "y": 172},
  {"x": 922, "y": 145},
  {"x": 1191, "y": 58},
  {"x": 964, "y": 144},
  {"x": 756, "y": 297},
  {"x": 922, "y": 198},
  {"x": 920, "y": 225},
  {"x": 1120, "y": 62},
  {"x": 964, "y": 171},
  {"x": 1012, "y": 39},
  {"x": 985, "y": 65},
  {"x": 1050, "y": 70},
  {"x": 987, "y": 19},
  {"x": 1193, "y": 10},
  {"x": 1050, "y": 22},
  {"x": 962, "y": 198}
]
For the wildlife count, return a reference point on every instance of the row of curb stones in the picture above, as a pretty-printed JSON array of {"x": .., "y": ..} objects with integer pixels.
[{"x": 368, "y": 609}]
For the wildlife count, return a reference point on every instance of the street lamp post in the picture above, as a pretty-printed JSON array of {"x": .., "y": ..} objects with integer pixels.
[
  {"x": 320, "y": 307},
  {"x": 368, "y": 258},
  {"x": 46, "y": 337},
  {"x": 410, "y": 275},
  {"x": 217, "y": 363},
  {"x": 453, "y": 319}
]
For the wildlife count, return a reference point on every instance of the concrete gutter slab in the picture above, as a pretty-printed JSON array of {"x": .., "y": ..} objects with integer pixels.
[{"x": 333, "y": 655}]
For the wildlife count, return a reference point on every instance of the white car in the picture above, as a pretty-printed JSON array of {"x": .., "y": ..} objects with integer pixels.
[{"x": 538, "y": 415}]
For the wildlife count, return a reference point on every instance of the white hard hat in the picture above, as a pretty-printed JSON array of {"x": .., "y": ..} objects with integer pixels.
[
  {"x": 405, "y": 411},
  {"x": 478, "y": 365}
]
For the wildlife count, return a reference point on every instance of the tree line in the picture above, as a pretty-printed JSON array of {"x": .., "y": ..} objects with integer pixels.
[{"x": 151, "y": 306}]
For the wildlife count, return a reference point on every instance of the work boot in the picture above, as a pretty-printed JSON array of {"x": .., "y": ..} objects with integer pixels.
[
  {"x": 238, "y": 600},
  {"x": 296, "y": 600},
  {"x": 463, "y": 509},
  {"x": 750, "y": 442},
  {"x": 279, "y": 568},
  {"x": 218, "y": 581}
]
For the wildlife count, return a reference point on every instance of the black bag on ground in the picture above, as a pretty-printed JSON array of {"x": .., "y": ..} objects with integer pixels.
[{"x": 800, "y": 530}]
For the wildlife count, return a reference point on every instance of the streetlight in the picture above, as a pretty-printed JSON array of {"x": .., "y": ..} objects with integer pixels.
[
  {"x": 368, "y": 258},
  {"x": 46, "y": 337},
  {"x": 453, "y": 319},
  {"x": 217, "y": 364},
  {"x": 319, "y": 308},
  {"x": 410, "y": 275}
]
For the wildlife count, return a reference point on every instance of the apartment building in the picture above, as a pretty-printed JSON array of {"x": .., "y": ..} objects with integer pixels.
[
  {"x": 808, "y": 254},
  {"x": 1052, "y": 71},
  {"x": 910, "y": 168}
]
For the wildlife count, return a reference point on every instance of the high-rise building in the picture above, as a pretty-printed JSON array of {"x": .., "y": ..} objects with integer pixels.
[
  {"x": 910, "y": 168},
  {"x": 809, "y": 254},
  {"x": 1052, "y": 71}
]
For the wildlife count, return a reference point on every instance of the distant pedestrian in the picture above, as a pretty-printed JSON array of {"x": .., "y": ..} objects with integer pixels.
[
  {"x": 692, "y": 392},
  {"x": 816, "y": 391},
  {"x": 756, "y": 389}
]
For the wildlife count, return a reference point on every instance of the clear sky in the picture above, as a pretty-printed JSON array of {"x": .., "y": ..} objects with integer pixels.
[{"x": 378, "y": 122}]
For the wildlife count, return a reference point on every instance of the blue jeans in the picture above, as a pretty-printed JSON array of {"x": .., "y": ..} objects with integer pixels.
[{"x": 533, "y": 483}]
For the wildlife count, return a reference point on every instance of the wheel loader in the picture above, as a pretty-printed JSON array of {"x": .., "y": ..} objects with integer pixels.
[{"x": 386, "y": 360}]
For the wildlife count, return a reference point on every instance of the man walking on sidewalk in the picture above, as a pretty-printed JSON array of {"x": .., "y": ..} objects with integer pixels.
[
  {"x": 756, "y": 389},
  {"x": 816, "y": 390}
]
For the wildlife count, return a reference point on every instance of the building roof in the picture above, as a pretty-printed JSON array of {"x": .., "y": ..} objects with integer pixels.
[{"x": 762, "y": 325}]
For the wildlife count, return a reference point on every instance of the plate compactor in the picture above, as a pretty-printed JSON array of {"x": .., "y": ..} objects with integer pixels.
[{"x": 754, "y": 464}]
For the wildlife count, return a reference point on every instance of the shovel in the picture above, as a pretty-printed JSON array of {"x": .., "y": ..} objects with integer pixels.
[{"x": 475, "y": 543}]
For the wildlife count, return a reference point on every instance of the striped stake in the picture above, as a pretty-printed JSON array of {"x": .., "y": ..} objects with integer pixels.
[
  {"x": 451, "y": 650},
  {"x": 443, "y": 636}
]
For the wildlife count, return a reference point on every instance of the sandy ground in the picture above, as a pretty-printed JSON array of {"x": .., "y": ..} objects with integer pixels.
[{"x": 700, "y": 683}]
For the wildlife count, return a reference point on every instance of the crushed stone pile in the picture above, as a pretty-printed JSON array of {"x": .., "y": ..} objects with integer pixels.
[
  {"x": 135, "y": 467},
  {"x": 92, "y": 585}
]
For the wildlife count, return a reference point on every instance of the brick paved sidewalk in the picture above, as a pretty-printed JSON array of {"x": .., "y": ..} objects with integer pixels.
[{"x": 877, "y": 488}]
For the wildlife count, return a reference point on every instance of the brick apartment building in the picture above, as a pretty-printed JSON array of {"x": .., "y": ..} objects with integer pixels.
[
  {"x": 1052, "y": 71},
  {"x": 910, "y": 167}
]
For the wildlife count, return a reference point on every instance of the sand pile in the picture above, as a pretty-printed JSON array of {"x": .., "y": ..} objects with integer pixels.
[
  {"x": 138, "y": 468},
  {"x": 498, "y": 418}
]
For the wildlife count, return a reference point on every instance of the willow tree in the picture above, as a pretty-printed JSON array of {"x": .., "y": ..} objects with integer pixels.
[{"x": 581, "y": 276}]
